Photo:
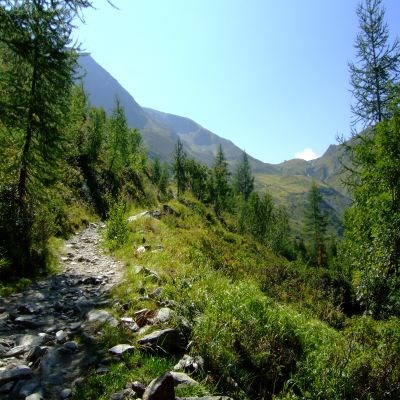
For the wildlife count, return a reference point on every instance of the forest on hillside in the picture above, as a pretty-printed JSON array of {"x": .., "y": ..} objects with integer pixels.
[{"x": 280, "y": 316}]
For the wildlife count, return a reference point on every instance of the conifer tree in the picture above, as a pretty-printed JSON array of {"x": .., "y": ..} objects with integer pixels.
[
  {"x": 243, "y": 181},
  {"x": 37, "y": 64},
  {"x": 316, "y": 223},
  {"x": 377, "y": 64},
  {"x": 221, "y": 189},
  {"x": 179, "y": 165}
]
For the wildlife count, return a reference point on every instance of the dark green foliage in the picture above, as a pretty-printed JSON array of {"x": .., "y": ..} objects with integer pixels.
[
  {"x": 117, "y": 225},
  {"x": 179, "y": 167},
  {"x": 377, "y": 64},
  {"x": 35, "y": 82},
  {"x": 197, "y": 177},
  {"x": 316, "y": 223},
  {"x": 372, "y": 237},
  {"x": 243, "y": 181},
  {"x": 267, "y": 223},
  {"x": 219, "y": 187}
]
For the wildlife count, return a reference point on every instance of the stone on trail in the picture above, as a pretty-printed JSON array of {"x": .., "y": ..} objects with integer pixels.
[
  {"x": 101, "y": 317},
  {"x": 15, "y": 374}
]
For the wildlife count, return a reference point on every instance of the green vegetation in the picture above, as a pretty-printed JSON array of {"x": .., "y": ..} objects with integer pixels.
[{"x": 244, "y": 289}]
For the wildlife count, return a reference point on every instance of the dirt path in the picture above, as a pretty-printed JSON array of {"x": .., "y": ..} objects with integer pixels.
[{"x": 39, "y": 354}]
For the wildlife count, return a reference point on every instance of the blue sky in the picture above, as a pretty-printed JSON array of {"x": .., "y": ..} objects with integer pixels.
[{"x": 270, "y": 75}]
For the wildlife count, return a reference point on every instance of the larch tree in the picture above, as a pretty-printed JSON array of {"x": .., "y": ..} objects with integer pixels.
[
  {"x": 316, "y": 223},
  {"x": 221, "y": 189},
  {"x": 377, "y": 64},
  {"x": 37, "y": 63},
  {"x": 179, "y": 167},
  {"x": 243, "y": 181}
]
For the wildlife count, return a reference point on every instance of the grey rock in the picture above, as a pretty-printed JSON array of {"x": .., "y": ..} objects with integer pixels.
[
  {"x": 15, "y": 374},
  {"x": 35, "y": 396},
  {"x": 155, "y": 293},
  {"x": 161, "y": 388},
  {"x": 123, "y": 395},
  {"x": 65, "y": 394},
  {"x": 190, "y": 364},
  {"x": 36, "y": 354},
  {"x": 70, "y": 347},
  {"x": 27, "y": 309},
  {"x": 28, "y": 321},
  {"x": 27, "y": 388},
  {"x": 182, "y": 380},
  {"x": 121, "y": 349},
  {"x": 101, "y": 317},
  {"x": 61, "y": 336},
  {"x": 16, "y": 351},
  {"x": 162, "y": 315},
  {"x": 166, "y": 341}
]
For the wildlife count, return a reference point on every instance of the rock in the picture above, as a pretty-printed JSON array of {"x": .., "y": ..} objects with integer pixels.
[
  {"x": 129, "y": 323},
  {"x": 70, "y": 347},
  {"x": 137, "y": 216},
  {"x": 155, "y": 293},
  {"x": 190, "y": 364},
  {"x": 27, "y": 388},
  {"x": 65, "y": 394},
  {"x": 15, "y": 374},
  {"x": 28, "y": 321},
  {"x": 101, "y": 317},
  {"x": 165, "y": 341},
  {"x": 27, "y": 309},
  {"x": 137, "y": 387},
  {"x": 74, "y": 326},
  {"x": 16, "y": 351},
  {"x": 35, "y": 396},
  {"x": 61, "y": 336},
  {"x": 206, "y": 398},
  {"x": 163, "y": 315},
  {"x": 121, "y": 349},
  {"x": 183, "y": 380},
  {"x": 36, "y": 354},
  {"x": 160, "y": 389},
  {"x": 140, "y": 250},
  {"x": 6, "y": 388},
  {"x": 143, "y": 317},
  {"x": 124, "y": 394}
]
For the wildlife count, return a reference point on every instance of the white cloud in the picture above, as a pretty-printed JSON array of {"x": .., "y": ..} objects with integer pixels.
[{"x": 307, "y": 154}]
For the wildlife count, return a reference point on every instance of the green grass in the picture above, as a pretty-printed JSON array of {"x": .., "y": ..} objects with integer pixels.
[{"x": 262, "y": 324}]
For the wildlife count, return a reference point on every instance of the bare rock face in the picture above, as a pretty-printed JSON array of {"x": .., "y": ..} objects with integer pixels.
[{"x": 161, "y": 388}]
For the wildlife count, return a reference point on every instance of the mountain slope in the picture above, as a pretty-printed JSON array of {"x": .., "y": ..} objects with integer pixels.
[{"x": 288, "y": 182}]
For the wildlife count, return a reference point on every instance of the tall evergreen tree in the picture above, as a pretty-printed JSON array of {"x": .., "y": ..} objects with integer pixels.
[
  {"x": 243, "y": 181},
  {"x": 377, "y": 64},
  {"x": 179, "y": 167},
  {"x": 316, "y": 223},
  {"x": 37, "y": 64},
  {"x": 221, "y": 189}
]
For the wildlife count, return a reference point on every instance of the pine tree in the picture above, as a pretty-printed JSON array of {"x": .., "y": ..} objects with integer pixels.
[
  {"x": 377, "y": 64},
  {"x": 179, "y": 167},
  {"x": 316, "y": 223},
  {"x": 243, "y": 181},
  {"x": 221, "y": 189}
]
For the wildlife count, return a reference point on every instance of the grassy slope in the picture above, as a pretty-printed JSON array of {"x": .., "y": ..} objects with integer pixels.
[{"x": 260, "y": 322}]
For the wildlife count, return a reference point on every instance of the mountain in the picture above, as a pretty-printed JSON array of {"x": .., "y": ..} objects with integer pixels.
[
  {"x": 288, "y": 182},
  {"x": 160, "y": 130}
]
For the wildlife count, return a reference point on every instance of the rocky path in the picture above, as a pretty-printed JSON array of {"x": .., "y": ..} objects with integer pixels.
[{"x": 44, "y": 330}]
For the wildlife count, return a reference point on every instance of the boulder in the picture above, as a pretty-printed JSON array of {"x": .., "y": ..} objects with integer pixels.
[
  {"x": 165, "y": 341},
  {"x": 190, "y": 364},
  {"x": 161, "y": 388},
  {"x": 182, "y": 380}
]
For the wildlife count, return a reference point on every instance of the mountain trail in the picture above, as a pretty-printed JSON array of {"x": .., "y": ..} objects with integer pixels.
[{"x": 45, "y": 331}]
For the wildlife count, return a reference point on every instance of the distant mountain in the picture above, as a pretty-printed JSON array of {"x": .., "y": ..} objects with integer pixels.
[{"x": 288, "y": 182}]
